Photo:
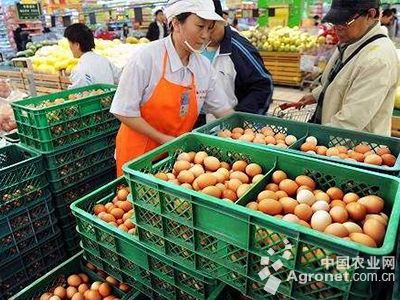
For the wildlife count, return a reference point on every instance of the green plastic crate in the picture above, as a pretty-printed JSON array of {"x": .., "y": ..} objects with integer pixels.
[
  {"x": 27, "y": 228},
  {"x": 57, "y": 277},
  {"x": 256, "y": 123},
  {"x": 31, "y": 265},
  {"x": 12, "y": 137},
  {"x": 200, "y": 221},
  {"x": 22, "y": 178}
]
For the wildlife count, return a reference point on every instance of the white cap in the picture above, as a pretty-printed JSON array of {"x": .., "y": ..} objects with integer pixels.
[{"x": 202, "y": 8}]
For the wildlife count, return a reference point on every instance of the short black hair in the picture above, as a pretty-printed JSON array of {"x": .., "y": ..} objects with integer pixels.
[
  {"x": 387, "y": 13},
  {"x": 181, "y": 19},
  {"x": 157, "y": 12},
  {"x": 81, "y": 34}
]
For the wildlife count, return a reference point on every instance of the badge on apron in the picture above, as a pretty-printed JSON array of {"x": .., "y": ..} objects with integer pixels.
[{"x": 184, "y": 106}]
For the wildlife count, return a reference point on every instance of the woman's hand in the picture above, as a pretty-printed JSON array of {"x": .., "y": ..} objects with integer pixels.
[{"x": 304, "y": 101}]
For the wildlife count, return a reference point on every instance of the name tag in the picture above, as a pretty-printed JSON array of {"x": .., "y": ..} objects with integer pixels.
[{"x": 184, "y": 106}]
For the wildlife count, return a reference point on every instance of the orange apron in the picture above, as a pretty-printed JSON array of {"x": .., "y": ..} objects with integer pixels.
[{"x": 171, "y": 109}]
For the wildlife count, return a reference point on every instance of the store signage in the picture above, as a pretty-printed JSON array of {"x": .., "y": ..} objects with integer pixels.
[{"x": 29, "y": 11}]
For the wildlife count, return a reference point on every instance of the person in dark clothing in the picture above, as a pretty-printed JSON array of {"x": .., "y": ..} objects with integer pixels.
[
  {"x": 18, "y": 38},
  {"x": 157, "y": 29},
  {"x": 241, "y": 70},
  {"x": 125, "y": 31}
]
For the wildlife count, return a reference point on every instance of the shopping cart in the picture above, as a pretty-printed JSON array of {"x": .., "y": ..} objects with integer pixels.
[{"x": 291, "y": 113}]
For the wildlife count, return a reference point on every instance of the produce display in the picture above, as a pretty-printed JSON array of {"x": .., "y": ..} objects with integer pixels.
[
  {"x": 349, "y": 216},
  {"x": 361, "y": 153},
  {"x": 283, "y": 39},
  {"x": 208, "y": 175},
  {"x": 265, "y": 136},
  {"x": 118, "y": 212}
]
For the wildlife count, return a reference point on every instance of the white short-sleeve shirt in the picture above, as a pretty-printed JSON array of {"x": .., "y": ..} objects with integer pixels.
[{"x": 144, "y": 70}]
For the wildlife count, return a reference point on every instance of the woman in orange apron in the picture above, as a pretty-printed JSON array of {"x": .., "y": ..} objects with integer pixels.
[{"x": 166, "y": 82}]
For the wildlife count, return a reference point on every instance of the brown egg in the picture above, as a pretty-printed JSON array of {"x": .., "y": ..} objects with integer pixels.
[
  {"x": 225, "y": 165},
  {"x": 322, "y": 196},
  {"x": 242, "y": 189},
  {"x": 352, "y": 227},
  {"x": 280, "y": 136},
  {"x": 357, "y": 156},
  {"x": 171, "y": 176},
  {"x": 83, "y": 288},
  {"x": 383, "y": 150},
  {"x": 303, "y": 212},
  {"x": 272, "y": 187},
  {"x": 71, "y": 290},
  {"x": 124, "y": 205},
  {"x": 224, "y": 172},
  {"x": 308, "y": 147},
  {"x": 211, "y": 163},
  {"x": 98, "y": 208},
  {"x": 338, "y": 203},
  {"x": 373, "y": 159},
  {"x": 228, "y": 194},
  {"x": 238, "y": 130},
  {"x": 182, "y": 165},
  {"x": 220, "y": 177},
  {"x": 373, "y": 204},
  {"x": 124, "y": 287},
  {"x": 342, "y": 149},
  {"x": 240, "y": 175},
  {"x": 337, "y": 229},
  {"x": 46, "y": 296},
  {"x": 233, "y": 184},
  {"x": 118, "y": 213},
  {"x": 78, "y": 296},
  {"x": 376, "y": 217},
  {"x": 270, "y": 207},
  {"x": 221, "y": 186},
  {"x": 206, "y": 180},
  {"x": 93, "y": 295},
  {"x": 129, "y": 225},
  {"x": 197, "y": 170},
  {"x": 74, "y": 280},
  {"x": 304, "y": 223},
  {"x": 291, "y": 218},
  {"x": 350, "y": 197},
  {"x": 236, "y": 135},
  {"x": 363, "y": 239},
  {"x": 389, "y": 160},
  {"x": 249, "y": 131},
  {"x": 267, "y": 131},
  {"x": 195, "y": 185},
  {"x": 184, "y": 156},
  {"x": 281, "y": 194},
  {"x": 278, "y": 176},
  {"x": 288, "y": 205},
  {"x": 339, "y": 214},
  {"x": 111, "y": 280},
  {"x": 362, "y": 148},
  {"x": 253, "y": 170},
  {"x": 332, "y": 152},
  {"x": 105, "y": 289},
  {"x": 343, "y": 155},
  {"x": 199, "y": 157},
  {"x": 252, "y": 205},
  {"x": 270, "y": 140},
  {"x": 356, "y": 211},
  {"x": 335, "y": 193},
  {"x": 304, "y": 187},
  {"x": 60, "y": 292},
  {"x": 239, "y": 165},
  {"x": 212, "y": 191},
  {"x": 257, "y": 178},
  {"x": 374, "y": 229},
  {"x": 289, "y": 186},
  {"x": 55, "y": 298},
  {"x": 267, "y": 195},
  {"x": 321, "y": 150},
  {"x": 186, "y": 177},
  {"x": 109, "y": 207},
  {"x": 258, "y": 140},
  {"x": 307, "y": 181}
]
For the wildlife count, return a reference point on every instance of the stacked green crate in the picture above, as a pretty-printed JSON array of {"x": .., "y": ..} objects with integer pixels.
[
  {"x": 75, "y": 132},
  {"x": 28, "y": 221}
]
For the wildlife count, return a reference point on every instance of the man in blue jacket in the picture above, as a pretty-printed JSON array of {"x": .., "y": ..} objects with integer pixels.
[{"x": 241, "y": 70}]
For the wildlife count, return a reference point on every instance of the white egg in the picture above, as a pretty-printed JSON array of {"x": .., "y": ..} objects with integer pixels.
[
  {"x": 320, "y": 220},
  {"x": 311, "y": 152},
  {"x": 291, "y": 218},
  {"x": 320, "y": 205},
  {"x": 306, "y": 197},
  {"x": 283, "y": 146},
  {"x": 312, "y": 140},
  {"x": 290, "y": 140}
]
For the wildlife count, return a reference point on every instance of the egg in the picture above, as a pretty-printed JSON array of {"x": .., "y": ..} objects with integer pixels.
[
  {"x": 225, "y": 165},
  {"x": 184, "y": 156},
  {"x": 332, "y": 152},
  {"x": 78, "y": 296},
  {"x": 338, "y": 203},
  {"x": 55, "y": 298},
  {"x": 162, "y": 176},
  {"x": 212, "y": 191},
  {"x": 199, "y": 157},
  {"x": 304, "y": 223},
  {"x": 74, "y": 280},
  {"x": 362, "y": 148},
  {"x": 304, "y": 187},
  {"x": 46, "y": 296},
  {"x": 186, "y": 177},
  {"x": 171, "y": 176},
  {"x": 111, "y": 280},
  {"x": 321, "y": 150},
  {"x": 373, "y": 159},
  {"x": 311, "y": 152},
  {"x": 267, "y": 195},
  {"x": 211, "y": 163},
  {"x": 233, "y": 184},
  {"x": 356, "y": 211},
  {"x": 376, "y": 217},
  {"x": 229, "y": 194},
  {"x": 290, "y": 140},
  {"x": 280, "y": 136},
  {"x": 343, "y": 155},
  {"x": 322, "y": 196},
  {"x": 383, "y": 215},
  {"x": 374, "y": 229},
  {"x": 270, "y": 207},
  {"x": 305, "y": 180},
  {"x": 270, "y": 140},
  {"x": 206, "y": 180},
  {"x": 389, "y": 160},
  {"x": 320, "y": 220},
  {"x": 363, "y": 239},
  {"x": 257, "y": 178},
  {"x": 288, "y": 205},
  {"x": 352, "y": 227},
  {"x": 239, "y": 165},
  {"x": 83, "y": 288},
  {"x": 272, "y": 187},
  {"x": 278, "y": 176},
  {"x": 306, "y": 197},
  {"x": 350, "y": 197},
  {"x": 373, "y": 204},
  {"x": 118, "y": 213},
  {"x": 337, "y": 229},
  {"x": 267, "y": 131},
  {"x": 236, "y": 135},
  {"x": 382, "y": 150},
  {"x": 71, "y": 290},
  {"x": 281, "y": 194},
  {"x": 196, "y": 185},
  {"x": 248, "y": 131},
  {"x": 303, "y": 212},
  {"x": 291, "y": 218},
  {"x": 258, "y": 140},
  {"x": 252, "y": 205},
  {"x": 289, "y": 186},
  {"x": 320, "y": 205},
  {"x": 93, "y": 295},
  {"x": 308, "y": 147},
  {"x": 238, "y": 130},
  {"x": 124, "y": 287},
  {"x": 339, "y": 214},
  {"x": 312, "y": 140},
  {"x": 220, "y": 177},
  {"x": 105, "y": 289},
  {"x": 242, "y": 189},
  {"x": 197, "y": 170},
  {"x": 342, "y": 149},
  {"x": 60, "y": 292},
  {"x": 182, "y": 165},
  {"x": 253, "y": 170},
  {"x": 335, "y": 193},
  {"x": 281, "y": 145},
  {"x": 240, "y": 175}
]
